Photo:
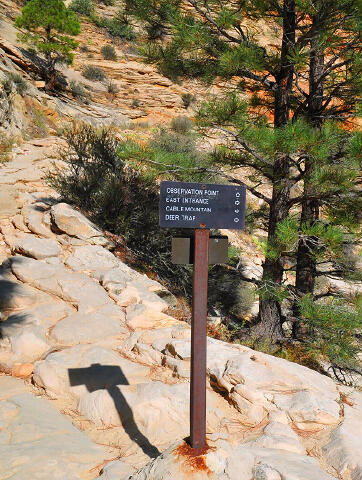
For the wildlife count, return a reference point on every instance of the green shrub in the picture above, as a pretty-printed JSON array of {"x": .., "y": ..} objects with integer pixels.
[
  {"x": 136, "y": 103},
  {"x": 333, "y": 328},
  {"x": 116, "y": 26},
  {"x": 181, "y": 124},
  {"x": 6, "y": 145},
  {"x": 92, "y": 72},
  {"x": 188, "y": 99},
  {"x": 84, "y": 48},
  {"x": 109, "y": 52},
  {"x": 84, "y": 7},
  {"x": 14, "y": 81},
  {"x": 120, "y": 200},
  {"x": 79, "y": 92},
  {"x": 112, "y": 88}
]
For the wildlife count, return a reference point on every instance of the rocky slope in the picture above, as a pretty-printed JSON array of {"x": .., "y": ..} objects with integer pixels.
[
  {"x": 106, "y": 369},
  {"x": 94, "y": 370}
]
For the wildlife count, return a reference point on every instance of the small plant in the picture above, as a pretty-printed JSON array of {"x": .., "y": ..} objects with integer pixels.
[
  {"x": 109, "y": 52},
  {"x": 116, "y": 26},
  {"x": 6, "y": 145},
  {"x": 92, "y": 72},
  {"x": 181, "y": 124},
  {"x": 39, "y": 127},
  {"x": 79, "y": 92},
  {"x": 84, "y": 48},
  {"x": 188, "y": 99},
  {"x": 83, "y": 7},
  {"x": 112, "y": 88},
  {"x": 20, "y": 84},
  {"x": 136, "y": 103}
]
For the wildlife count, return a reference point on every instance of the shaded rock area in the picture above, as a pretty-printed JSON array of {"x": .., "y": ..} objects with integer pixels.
[{"x": 106, "y": 367}]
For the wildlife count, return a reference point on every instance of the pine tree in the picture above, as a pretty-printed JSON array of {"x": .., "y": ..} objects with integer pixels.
[
  {"x": 47, "y": 25},
  {"x": 279, "y": 116}
]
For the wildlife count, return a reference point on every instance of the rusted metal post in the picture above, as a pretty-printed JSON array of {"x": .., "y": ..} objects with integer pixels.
[{"x": 198, "y": 342}]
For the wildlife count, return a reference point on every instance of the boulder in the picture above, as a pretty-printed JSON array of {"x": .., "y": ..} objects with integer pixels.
[
  {"x": 33, "y": 219},
  {"x": 32, "y": 246},
  {"x": 77, "y": 288},
  {"x": 91, "y": 258},
  {"x": 75, "y": 224}
]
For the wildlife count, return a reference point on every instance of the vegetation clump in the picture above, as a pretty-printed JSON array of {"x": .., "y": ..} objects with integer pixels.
[
  {"x": 83, "y": 7},
  {"x": 181, "y": 124},
  {"x": 91, "y": 72},
  {"x": 79, "y": 92},
  {"x": 20, "y": 84},
  {"x": 109, "y": 53}
]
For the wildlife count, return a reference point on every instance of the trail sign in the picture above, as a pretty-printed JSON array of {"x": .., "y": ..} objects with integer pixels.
[{"x": 200, "y": 205}]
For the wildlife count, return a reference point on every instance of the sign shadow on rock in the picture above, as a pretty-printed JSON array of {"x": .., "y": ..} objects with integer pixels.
[{"x": 107, "y": 377}]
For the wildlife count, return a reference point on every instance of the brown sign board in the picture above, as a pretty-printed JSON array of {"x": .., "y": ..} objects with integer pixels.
[
  {"x": 200, "y": 205},
  {"x": 183, "y": 250}
]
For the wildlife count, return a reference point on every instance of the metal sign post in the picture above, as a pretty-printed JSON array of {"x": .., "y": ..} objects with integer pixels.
[
  {"x": 200, "y": 207},
  {"x": 198, "y": 342}
]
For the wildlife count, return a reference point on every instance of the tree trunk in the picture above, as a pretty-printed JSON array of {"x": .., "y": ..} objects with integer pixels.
[
  {"x": 306, "y": 269},
  {"x": 270, "y": 316}
]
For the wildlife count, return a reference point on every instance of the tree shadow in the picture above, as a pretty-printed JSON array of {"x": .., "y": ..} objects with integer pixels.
[
  {"x": 8, "y": 323},
  {"x": 99, "y": 377}
]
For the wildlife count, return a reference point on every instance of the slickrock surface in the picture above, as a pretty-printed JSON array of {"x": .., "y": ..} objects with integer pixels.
[{"x": 105, "y": 369}]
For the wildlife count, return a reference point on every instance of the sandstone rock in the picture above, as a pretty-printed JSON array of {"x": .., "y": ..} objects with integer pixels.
[
  {"x": 9, "y": 203},
  {"x": 180, "y": 368},
  {"x": 147, "y": 354},
  {"x": 14, "y": 295},
  {"x": 135, "y": 292},
  {"x": 53, "y": 373},
  {"x": 29, "y": 345},
  {"x": 225, "y": 461},
  {"x": 39, "y": 248},
  {"x": 77, "y": 225},
  {"x": 139, "y": 317},
  {"x": 86, "y": 328},
  {"x": 18, "y": 222},
  {"x": 280, "y": 436},
  {"x": 33, "y": 219},
  {"x": 264, "y": 472},
  {"x": 77, "y": 288},
  {"x": 11, "y": 386},
  {"x": 40, "y": 443},
  {"x": 343, "y": 451},
  {"x": 180, "y": 349},
  {"x": 23, "y": 370},
  {"x": 116, "y": 470},
  {"x": 309, "y": 411},
  {"x": 91, "y": 258}
]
